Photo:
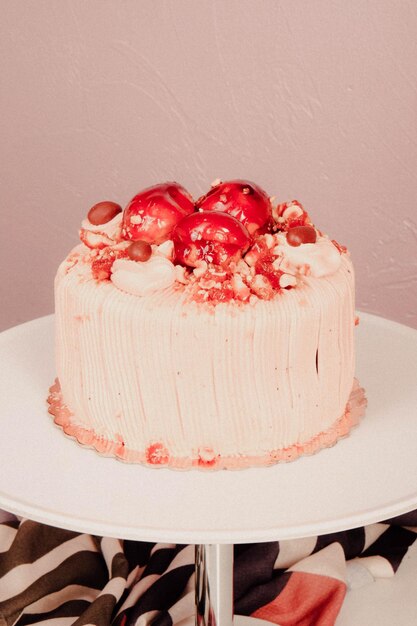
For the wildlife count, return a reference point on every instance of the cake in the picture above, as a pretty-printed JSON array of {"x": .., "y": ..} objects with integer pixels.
[{"x": 216, "y": 333}]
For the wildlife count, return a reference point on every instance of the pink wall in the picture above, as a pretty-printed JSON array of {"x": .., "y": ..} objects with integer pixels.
[{"x": 313, "y": 100}]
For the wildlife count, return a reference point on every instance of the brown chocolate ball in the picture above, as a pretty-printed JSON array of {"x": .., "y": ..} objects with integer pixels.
[
  {"x": 103, "y": 212},
  {"x": 139, "y": 251}
]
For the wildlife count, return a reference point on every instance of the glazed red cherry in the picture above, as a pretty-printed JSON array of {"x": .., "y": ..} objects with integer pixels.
[
  {"x": 243, "y": 200},
  {"x": 152, "y": 214},
  {"x": 214, "y": 237}
]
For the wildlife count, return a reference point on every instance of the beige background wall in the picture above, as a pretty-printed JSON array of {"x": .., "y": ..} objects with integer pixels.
[{"x": 312, "y": 100}]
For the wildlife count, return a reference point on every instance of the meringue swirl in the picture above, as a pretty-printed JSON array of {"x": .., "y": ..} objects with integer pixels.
[
  {"x": 310, "y": 259},
  {"x": 141, "y": 279}
]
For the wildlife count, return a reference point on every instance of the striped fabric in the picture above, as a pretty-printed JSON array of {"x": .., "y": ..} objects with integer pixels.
[{"x": 54, "y": 577}]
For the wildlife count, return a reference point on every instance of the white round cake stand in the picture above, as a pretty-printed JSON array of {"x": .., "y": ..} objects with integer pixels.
[{"x": 365, "y": 478}]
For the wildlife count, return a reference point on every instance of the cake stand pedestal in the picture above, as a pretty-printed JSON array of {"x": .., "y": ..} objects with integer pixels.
[{"x": 354, "y": 483}]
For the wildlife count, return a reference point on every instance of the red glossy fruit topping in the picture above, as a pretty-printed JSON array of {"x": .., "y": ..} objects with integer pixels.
[
  {"x": 152, "y": 214},
  {"x": 103, "y": 262},
  {"x": 301, "y": 234},
  {"x": 103, "y": 212},
  {"x": 139, "y": 251},
  {"x": 214, "y": 237},
  {"x": 241, "y": 199}
]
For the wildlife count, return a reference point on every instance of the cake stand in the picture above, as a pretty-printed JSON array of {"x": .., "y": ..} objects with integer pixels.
[{"x": 356, "y": 482}]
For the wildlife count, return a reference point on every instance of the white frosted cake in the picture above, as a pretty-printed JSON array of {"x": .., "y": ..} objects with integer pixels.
[{"x": 211, "y": 334}]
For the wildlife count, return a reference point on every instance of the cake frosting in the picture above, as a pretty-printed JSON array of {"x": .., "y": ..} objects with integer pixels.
[{"x": 214, "y": 334}]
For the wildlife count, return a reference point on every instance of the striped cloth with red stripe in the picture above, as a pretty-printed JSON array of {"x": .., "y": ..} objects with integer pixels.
[{"x": 55, "y": 577}]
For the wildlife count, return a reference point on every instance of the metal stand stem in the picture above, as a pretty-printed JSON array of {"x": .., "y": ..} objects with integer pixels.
[
  {"x": 214, "y": 588},
  {"x": 214, "y": 585}
]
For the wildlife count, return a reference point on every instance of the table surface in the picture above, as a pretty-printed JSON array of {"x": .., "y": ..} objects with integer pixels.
[{"x": 367, "y": 477}]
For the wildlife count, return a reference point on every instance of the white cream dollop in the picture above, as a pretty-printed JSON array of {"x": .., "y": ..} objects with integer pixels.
[
  {"x": 101, "y": 235},
  {"x": 141, "y": 279},
  {"x": 310, "y": 259}
]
